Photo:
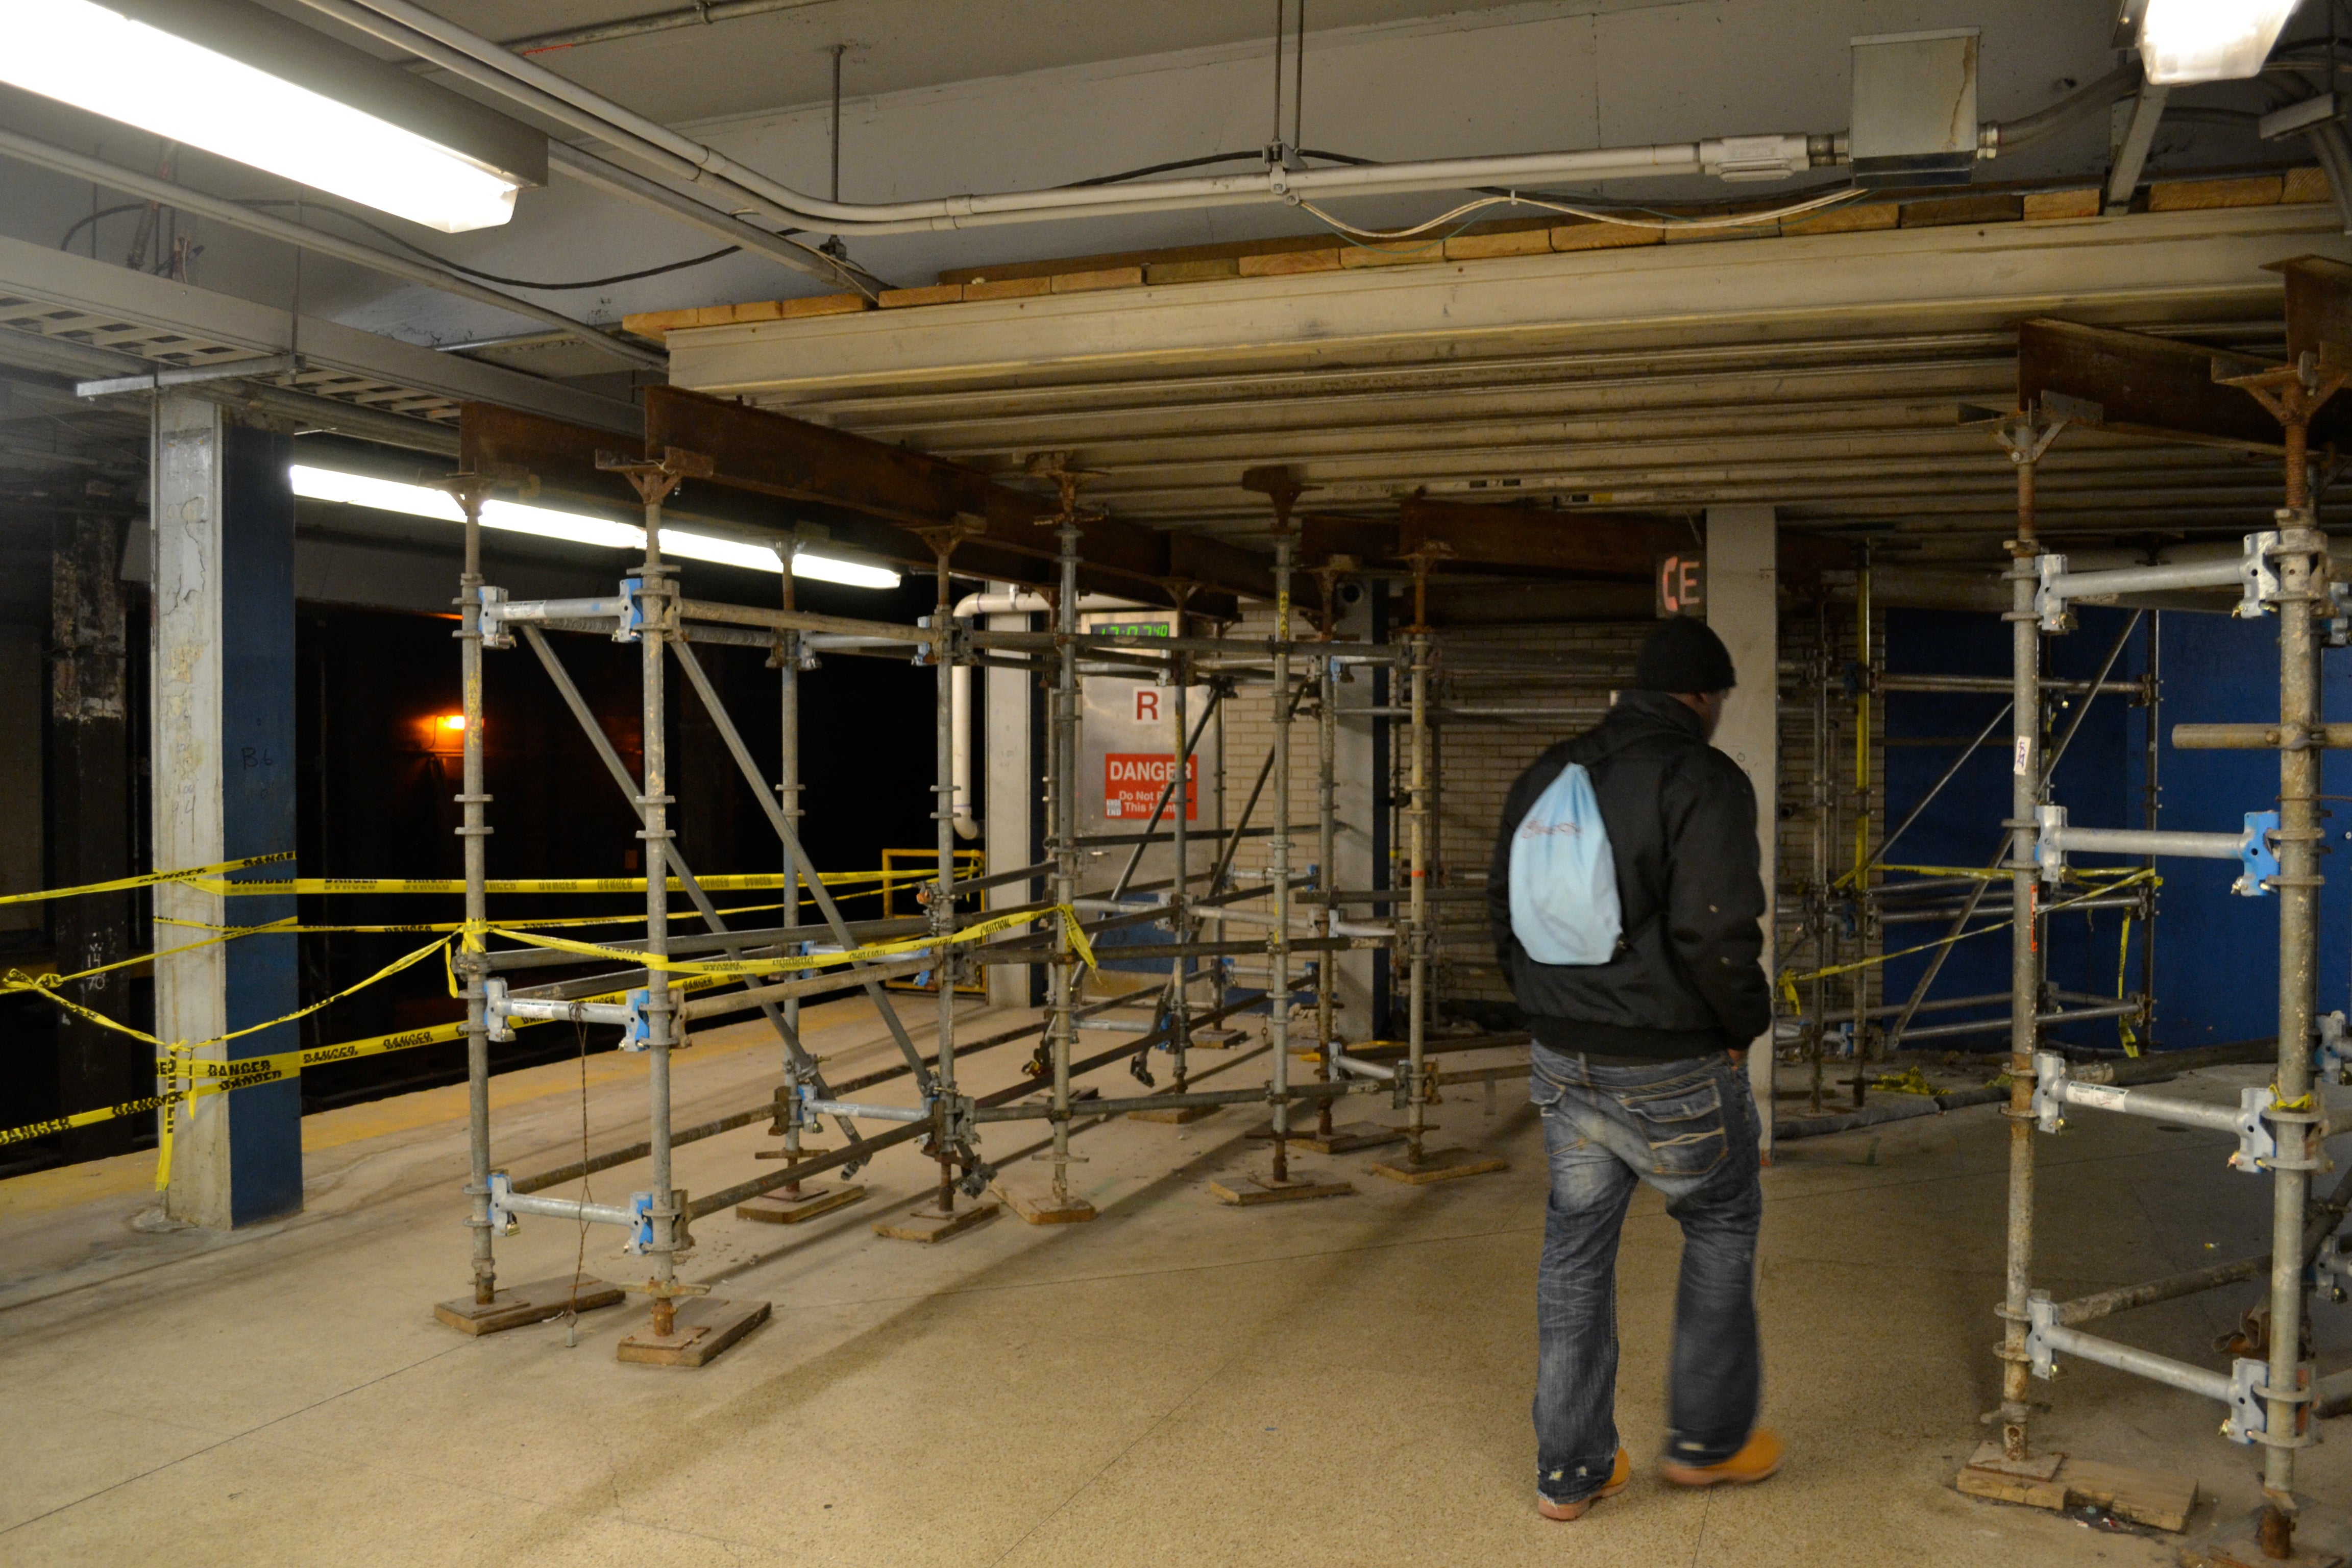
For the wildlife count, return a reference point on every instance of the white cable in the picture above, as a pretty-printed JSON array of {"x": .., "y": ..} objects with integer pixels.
[{"x": 1731, "y": 220}]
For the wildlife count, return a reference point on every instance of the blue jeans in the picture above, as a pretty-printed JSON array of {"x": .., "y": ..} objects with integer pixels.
[{"x": 1689, "y": 1129}]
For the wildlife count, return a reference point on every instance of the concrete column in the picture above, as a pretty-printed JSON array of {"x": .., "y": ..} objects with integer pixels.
[
  {"x": 1009, "y": 796},
  {"x": 1743, "y": 607},
  {"x": 224, "y": 789}
]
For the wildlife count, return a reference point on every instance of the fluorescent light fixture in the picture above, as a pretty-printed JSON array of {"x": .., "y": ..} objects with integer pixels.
[
  {"x": 98, "y": 58},
  {"x": 2183, "y": 41},
  {"x": 577, "y": 528}
]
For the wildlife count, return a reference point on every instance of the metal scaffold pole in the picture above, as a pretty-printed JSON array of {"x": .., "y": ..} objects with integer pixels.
[
  {"x": 942, "y": 896},
  {"x": 788, "y": 800},
  {"x": 1278, "y": 943},
  {"x": 660, "y": 1011},
  {"x": 2025, "y": 439},
  {"x": 1326, "y": 841},
  {"x": 470, "y": 492},
  {"x": 1180, "y": 923},
  {"x": 1063, "y": 812},
  {"x": 1417, "y": 884}
]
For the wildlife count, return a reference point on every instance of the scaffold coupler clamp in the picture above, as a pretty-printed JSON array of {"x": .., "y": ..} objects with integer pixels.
[
  {"x": 2049, "y": 607},
  {"x": 2040, "y": 1316},
  {"x": 494, "y": 1008},
  {"x": 2331, "y": 1270},
  {"x": 637, "y": 1034},
  {"x": 2050, "y": 856},
  {"x": 2251, "y": 1398},
  {"x": 2049, "y": 1093},
  {"x": 502, "y": 1218},
  {"x": 2258, "y": 1149},
  {"x": 2336, "y": 631},
  {"x": 640, "y": 1239},
  {"x": 493, "y": 620},
  {"x": 2257, "y": 578},
  {"x": 633, "y": 610},
  {"x": 957, "y": 644},
  {"x": 2255, "y": 854},
  {"x": 2331, "y": 1049}
]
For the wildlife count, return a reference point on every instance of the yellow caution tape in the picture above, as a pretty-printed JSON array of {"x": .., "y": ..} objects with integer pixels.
[
  {"x": 739, "y": 968},
  {"x": 422, "y": 927},
  {"x": 147, "y": 880},
  {"x": 1910, "y": 1080},
  {"x": 729, "y": 882},
  {"x": 1788, "y": 978}
]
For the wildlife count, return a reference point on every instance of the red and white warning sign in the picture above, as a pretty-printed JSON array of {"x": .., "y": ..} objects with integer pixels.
[{"x": 1132, "y": 782}]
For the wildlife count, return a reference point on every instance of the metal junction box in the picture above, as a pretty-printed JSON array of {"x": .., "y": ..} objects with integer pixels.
[{"x": 1915, "y": 109}]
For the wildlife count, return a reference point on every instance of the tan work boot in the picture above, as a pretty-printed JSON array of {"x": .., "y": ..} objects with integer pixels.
[
  {"x": 1620, "y": 1474},
  {"x": 1756, "y": 1461}
]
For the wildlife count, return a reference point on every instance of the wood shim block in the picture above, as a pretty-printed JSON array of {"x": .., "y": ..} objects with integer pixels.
[
  {"x": 1037, "y": 1206},
  {"x": 714, "y": 315},
  {"x": 936, "y": 294},
  {"x": 653, "y": 323},
  {"x": 1984, "y": 206},
  {"x": 2196, "y": 195},
  {"x": 1249, "y": 1191},
  {"x": 927, "y": 1225},
  {"x": 1349, "y": 1137},
  {"x": 1157, "y": 272},
  {"x": 1007, "y": 288},
  {"x": 774, "y": 1208},
  {"x": 1411, "y": 253},
  {"x": 2245, "y": 1551},
  {"x": 2043, "y": 206},
  {"x": 1596, "y": 236},
  {"x": 1439, "y": 1165},
  {"x": 2157, "y": 1498},
  {"x": 1101, "y": 277},
  {"x": 520, "y": 1304},
  {"x": 1852, "y": 218},
  {"x": 1477, "y": 247},
  {"x": 704, "y": 1327},
  {"x": 1744, "y": 231},
  {"x": 1281, "y": 263},
  {"x": 2305, "y": 185},
  {"x": 2037, "y": 1466},
  {"x": 823, "y": 305}
]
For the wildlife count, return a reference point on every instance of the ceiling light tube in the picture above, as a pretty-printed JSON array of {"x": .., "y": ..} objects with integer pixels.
[
  {"x": 579, "y": 528},
  {"x": 206, "y": 74}
]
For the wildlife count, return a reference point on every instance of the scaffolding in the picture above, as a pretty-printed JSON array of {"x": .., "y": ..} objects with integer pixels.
[{"x": 670, "y": 980}]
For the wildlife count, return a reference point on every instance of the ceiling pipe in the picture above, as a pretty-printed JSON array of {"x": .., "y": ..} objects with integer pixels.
[
  {"x": 488, "y": 65},
  {"x": 220, "y": 209}
]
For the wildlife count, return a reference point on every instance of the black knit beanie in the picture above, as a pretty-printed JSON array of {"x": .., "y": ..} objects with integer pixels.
[{"x": 1682, "y": 655}]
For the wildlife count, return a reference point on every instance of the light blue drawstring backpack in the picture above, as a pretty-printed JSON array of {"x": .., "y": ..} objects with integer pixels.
[{"x": 1564, "y": 906}]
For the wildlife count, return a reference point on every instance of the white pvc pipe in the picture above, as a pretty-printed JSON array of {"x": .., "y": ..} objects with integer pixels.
[{"x": 658, "y": 144}]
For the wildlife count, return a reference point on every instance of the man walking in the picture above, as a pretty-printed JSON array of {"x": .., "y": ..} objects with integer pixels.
[{"x": 1626, "y": 902}]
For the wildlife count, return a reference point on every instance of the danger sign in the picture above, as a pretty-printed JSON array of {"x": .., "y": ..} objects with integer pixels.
[{"x": 1132, "y": 782}]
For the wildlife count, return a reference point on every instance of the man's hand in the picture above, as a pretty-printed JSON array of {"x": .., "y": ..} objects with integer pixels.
[{"x": 1739, "y": 1058}]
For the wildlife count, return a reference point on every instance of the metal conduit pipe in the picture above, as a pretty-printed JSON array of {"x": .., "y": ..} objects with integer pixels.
[
  {"x": 220, "y": 209},
  {"x": 488, "y": 65}
]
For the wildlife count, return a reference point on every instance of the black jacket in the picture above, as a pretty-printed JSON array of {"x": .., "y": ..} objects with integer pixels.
[{"x": 1686, "y": 979}]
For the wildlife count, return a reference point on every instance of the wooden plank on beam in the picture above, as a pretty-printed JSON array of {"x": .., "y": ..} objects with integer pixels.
[{"x": 1589, "y": 544}]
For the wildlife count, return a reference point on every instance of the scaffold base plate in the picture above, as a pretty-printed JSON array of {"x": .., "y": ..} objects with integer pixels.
[
  {"x": 1349, "y": 1137},
  {"x": 927, "y": 1224},
  {"x": 775, "y": 1209},
  {"x": 2245, "y": 1551},
  {"x": 1175, "y": 1116},
  {"x": 704, "y": 1327},
  {"x": 1263, "y": 1189},
  {"x": 2157, "y": 1498},
  {"x": 1040, "y": 1206},
  {"x": 1439, "y": 1165},
  {"x": 533, "y": 1303}
]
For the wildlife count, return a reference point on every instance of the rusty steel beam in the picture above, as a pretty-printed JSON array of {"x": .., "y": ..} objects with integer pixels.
[
  {"x": 2143, "y": 386},
  {"x": 1590, "y": 544},
  {"x": 2319, "y": 310}
]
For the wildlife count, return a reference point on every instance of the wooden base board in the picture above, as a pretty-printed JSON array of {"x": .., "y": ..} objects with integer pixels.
[
  {"x": 1218, "y": 1039},
  {"x": 533, "y": 1303},
  {"x": 1039, "y": 1206},
  {"x": 807, "y": 1151},
  {"x": 704, "y": 1327},
  {"x": 1245, "y": 1191},
  {"x": 1438, "y": 1165},
  {"x": 2156, "y": 1498},
  {"x": 927, "y": 1225},
  {"x": 1349, "y": 1137},
  {"x": 774, "y": 1208},
  {"x": 1177, "y": 1116}
]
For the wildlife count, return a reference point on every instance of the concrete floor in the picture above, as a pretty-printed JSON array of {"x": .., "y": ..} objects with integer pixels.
[{"x": 1343, "y": 1382}]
